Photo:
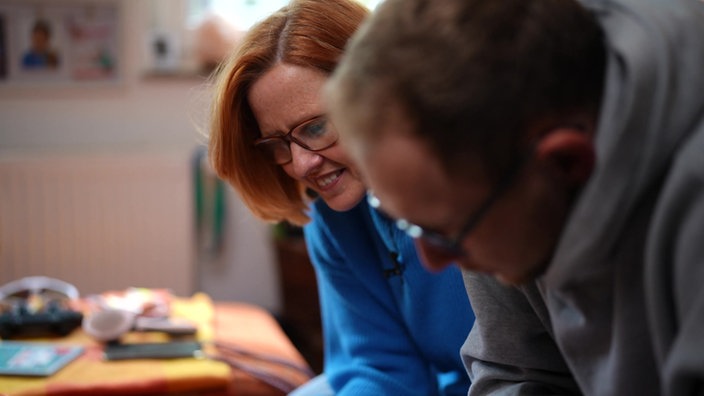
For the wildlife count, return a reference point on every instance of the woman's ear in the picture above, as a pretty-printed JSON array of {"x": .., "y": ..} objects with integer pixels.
[{"x": 568, "y": 154}]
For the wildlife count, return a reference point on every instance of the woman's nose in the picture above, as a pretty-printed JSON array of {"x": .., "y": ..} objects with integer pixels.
[{"x": 303, "y": 160}]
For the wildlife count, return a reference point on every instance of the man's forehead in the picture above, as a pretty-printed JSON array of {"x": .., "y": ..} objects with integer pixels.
[{"x": 406, "y": 176}]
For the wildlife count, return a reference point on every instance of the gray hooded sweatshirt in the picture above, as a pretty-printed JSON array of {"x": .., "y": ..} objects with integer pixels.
[{"x": 620, "y": 310}]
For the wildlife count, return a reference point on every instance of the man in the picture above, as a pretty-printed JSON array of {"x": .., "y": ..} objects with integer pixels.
[{"x": 556, "y": 146}]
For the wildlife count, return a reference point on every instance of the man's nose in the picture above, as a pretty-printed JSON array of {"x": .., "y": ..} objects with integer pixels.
[
  {"x": 433, "y": 258},
  {"x": 303, "y": 160}
]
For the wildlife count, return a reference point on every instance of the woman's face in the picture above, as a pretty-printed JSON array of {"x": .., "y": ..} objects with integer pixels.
[{"x": 283, "y": 98}]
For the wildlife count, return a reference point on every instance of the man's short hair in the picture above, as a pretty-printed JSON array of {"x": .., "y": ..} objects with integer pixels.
[{"x": 472, "y": 75}]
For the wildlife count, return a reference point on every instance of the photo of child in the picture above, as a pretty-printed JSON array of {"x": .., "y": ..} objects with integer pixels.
[{"x": 40, "y": 54}]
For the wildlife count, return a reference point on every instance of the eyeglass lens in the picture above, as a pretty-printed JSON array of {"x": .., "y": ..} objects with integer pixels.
[
  {"x": 313, "y": 135},
  {"x": 415, "y": 231}
]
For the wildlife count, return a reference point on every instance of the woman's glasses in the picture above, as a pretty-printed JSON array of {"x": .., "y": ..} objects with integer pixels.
[{"x": 315, "y": 134}]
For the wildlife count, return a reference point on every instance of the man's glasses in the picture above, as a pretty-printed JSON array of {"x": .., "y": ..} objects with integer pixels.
[
  {"x": 453, "y": 245},
  {"x": 315, "y": 134}
]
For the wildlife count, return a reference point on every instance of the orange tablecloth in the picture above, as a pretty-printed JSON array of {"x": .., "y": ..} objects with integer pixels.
[{"x": 253, "y": 348}]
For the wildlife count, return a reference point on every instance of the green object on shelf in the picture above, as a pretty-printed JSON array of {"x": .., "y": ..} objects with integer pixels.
[{"x": 210, "y": 204}]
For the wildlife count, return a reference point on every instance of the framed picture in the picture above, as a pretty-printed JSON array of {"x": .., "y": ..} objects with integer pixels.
[{"x": 60, "y": 41}]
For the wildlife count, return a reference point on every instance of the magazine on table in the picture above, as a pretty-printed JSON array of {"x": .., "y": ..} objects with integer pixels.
[{"x": 35, "y": 358}]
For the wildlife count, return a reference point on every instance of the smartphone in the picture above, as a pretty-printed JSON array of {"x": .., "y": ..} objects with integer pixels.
[{"x": 153, "y": 350}]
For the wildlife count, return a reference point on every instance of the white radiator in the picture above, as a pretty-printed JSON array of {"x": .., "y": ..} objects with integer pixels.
[{"x": 99, "y": 221}]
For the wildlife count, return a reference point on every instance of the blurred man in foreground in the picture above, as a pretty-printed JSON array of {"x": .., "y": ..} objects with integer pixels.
[{"x": 556, "y": 146}]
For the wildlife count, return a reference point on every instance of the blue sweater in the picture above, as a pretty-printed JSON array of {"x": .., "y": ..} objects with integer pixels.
[{"x": 390, "y": 326}]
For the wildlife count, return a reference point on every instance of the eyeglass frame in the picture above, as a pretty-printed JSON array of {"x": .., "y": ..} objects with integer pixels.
[
  {"x": 289, "y": 138},
  {"x": 453, "y": 245}
]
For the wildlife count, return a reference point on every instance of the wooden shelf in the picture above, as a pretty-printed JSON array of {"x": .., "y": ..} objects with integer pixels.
[{"x": 300, "y": 317}]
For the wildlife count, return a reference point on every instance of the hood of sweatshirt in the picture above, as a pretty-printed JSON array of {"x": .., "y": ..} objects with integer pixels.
[{"x": 653, "y": 101}]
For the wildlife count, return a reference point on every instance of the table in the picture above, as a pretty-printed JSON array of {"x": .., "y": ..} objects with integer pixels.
[{"x": 248, "y": 355}]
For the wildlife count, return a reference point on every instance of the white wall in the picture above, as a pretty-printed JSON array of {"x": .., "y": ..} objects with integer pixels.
[{"x": 145, "y": 114}]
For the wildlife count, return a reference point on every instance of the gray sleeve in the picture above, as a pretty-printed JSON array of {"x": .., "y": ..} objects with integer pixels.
[{"x": 510, "y": 350}]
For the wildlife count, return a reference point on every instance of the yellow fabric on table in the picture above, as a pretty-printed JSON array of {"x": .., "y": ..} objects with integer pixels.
[{"x": 91, "y": 375}]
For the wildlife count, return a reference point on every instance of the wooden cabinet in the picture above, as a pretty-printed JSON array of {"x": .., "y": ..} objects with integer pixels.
[{"x": 300, "y": 317}]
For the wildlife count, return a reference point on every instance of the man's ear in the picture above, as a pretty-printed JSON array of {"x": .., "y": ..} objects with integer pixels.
[{"x": 568, "y": 154}]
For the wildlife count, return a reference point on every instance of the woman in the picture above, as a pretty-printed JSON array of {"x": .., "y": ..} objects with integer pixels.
[{"x": 390, "y": 327}]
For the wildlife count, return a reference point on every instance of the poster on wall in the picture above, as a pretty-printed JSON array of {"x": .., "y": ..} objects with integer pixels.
[{"x": 55, "y": 41}]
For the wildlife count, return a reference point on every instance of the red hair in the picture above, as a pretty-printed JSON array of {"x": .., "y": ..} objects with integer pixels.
[{"x": 308, "y": 33}]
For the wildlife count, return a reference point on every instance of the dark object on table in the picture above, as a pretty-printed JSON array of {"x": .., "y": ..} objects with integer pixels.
[
  {"x": 20, "y": 320},
  {"x": 152, "y": 350},
  {"x": 37, "y": 306}
]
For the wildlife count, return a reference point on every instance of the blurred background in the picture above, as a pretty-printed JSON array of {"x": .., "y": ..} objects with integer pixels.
[{"x": 104, "y": 181}]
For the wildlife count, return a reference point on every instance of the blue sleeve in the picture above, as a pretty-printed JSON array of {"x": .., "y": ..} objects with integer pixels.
[{"x": 368, "y": 350}]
